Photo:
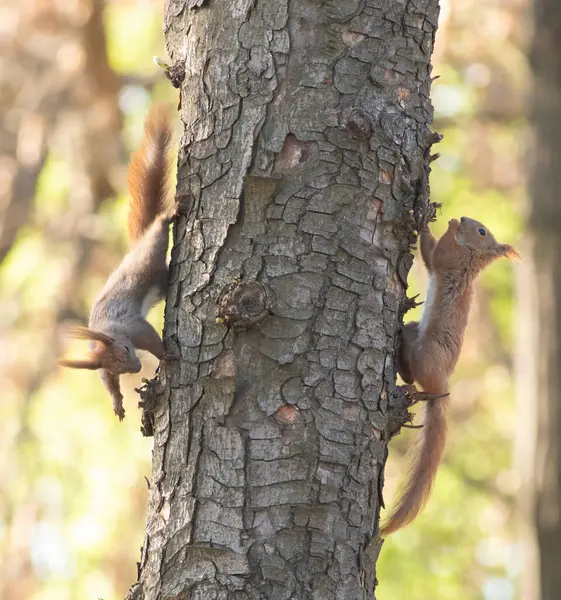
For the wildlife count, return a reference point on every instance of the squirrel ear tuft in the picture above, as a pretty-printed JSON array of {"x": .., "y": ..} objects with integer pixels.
[
  {"x": 90, "y": 364},
  {"x": 509, "y": 252},
  {"x": 85, "y": 333}
]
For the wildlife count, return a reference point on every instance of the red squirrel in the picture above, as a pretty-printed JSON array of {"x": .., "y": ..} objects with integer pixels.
[
  {"x": 117, "y": 323},
  {"x": 430, "y": 348}
]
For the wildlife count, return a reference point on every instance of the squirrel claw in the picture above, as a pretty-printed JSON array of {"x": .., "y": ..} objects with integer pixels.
[
  {"x": 170, "y": 356},
  {"x": 118, "y": 407},
  {"x": 183, "y": 205},
  {"x": 416, "y": 396},
  {"x": 181, "y": 208}
]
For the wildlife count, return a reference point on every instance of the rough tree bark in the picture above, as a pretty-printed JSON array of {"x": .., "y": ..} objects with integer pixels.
[
  {"x": 540, "y": 396},
  {"x": 305, "y": 157}
]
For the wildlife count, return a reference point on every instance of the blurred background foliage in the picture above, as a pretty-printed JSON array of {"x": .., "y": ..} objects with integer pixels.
[
  {"x": 466, "y": 543},
  {"x": 76, "y": 79}
]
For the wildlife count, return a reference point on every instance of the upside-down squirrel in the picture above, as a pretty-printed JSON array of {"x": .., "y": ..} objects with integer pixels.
[{"x": 117, "y": 323}]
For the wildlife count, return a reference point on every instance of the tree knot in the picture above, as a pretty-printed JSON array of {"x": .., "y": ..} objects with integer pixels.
[{"x": 243, "y": 304}]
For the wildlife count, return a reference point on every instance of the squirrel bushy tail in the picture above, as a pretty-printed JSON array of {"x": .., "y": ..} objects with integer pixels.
[
  {"x": 149, "y": 171},
  {"x": 427, "y": 453}
]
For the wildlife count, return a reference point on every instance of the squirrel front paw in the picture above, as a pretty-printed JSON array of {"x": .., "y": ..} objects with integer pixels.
[
  {"x": 454, "y": 224},
  {"x": 181, "y": 206},
  {"x": 118, "y": 408}
]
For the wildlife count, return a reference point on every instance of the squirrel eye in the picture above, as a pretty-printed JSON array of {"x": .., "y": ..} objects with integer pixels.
[{"x": 481, "y": 231}]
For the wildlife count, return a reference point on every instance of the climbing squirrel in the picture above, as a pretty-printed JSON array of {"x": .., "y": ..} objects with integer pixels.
[
  {"x": 430, "y": 348},
  {"x": 117, "y": 323}
]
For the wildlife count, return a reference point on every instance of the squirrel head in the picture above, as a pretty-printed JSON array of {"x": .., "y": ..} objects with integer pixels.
[
  {"x": 476, "y": 237},
  {"x": 115, "y": 354}
]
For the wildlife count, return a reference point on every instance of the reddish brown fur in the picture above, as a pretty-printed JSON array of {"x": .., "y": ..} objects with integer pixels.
[
  {"x": 105, "y": 353},
  {"x": 87, "y": 363},
  {"x": 83, "y": 333},
  {"x": 117, "y": 321},
  {"x": 430, "y": 349},
  {"x": 148, "y": 174}
]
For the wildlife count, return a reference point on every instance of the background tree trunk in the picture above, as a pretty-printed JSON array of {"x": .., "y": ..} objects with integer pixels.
[
  {"x": 541, "y": 324},
  {"x": 305, "y": 160}
]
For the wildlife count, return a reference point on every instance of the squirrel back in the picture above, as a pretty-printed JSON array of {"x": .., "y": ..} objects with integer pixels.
[{"x": 149, "y": 172}]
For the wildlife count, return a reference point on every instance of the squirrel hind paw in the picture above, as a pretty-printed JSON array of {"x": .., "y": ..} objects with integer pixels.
[
  {"x": 183, "y": 205},
  {"x": 415, "y": 396}
]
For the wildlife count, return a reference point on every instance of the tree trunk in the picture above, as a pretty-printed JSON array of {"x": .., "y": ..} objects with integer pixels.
[
  {"x": 305, "y": 159},
  {"x": 542, "y": 313}
]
